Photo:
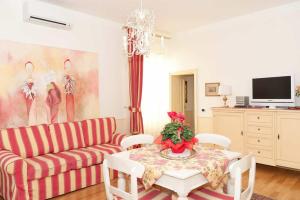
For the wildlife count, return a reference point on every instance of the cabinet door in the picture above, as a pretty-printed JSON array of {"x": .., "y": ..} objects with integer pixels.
[
  {"x": 231, "y": 126},
  {"x": 288, "y": 140}
]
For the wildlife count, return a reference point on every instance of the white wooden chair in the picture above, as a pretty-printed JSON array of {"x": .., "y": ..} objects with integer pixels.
[
  {"x": 210, "y": 138},
  {"x": 142, "y": 139},
  {"x": 236, "y": 170},
  {"x": 135, "y": 170}
]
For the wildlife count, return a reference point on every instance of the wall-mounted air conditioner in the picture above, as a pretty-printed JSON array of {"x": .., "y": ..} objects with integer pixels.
[{"x": 44, "y": 14}]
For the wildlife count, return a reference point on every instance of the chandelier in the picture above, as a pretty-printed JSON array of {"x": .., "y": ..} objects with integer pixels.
[{"x": 139, "y": 32}]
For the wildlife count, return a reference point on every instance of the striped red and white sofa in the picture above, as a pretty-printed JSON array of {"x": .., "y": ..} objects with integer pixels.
[{"x": 44, "y": 161}]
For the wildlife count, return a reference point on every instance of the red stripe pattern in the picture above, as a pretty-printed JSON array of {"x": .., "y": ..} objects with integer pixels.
[
  {"x": 59, "y": 184},
  {"x": 53, "y": 164},
  {"x": 66, "y": 136},
  {"x": 207, "y": 194},
  {"x": 27, "y": 141},
  {"x": 152, "y": 193},
  {"x": 117, "y": 138},
  {"x": 98, "y": 131},
  {"x": 12, "y": 177},
  {"x": 136, "y": 63},
  {"x": 40, "y": 162}
]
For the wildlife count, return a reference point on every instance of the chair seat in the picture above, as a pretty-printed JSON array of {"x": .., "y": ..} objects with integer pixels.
[
  {"x": 53, "y": 164},
  {"x": 152, "y": 193},
  {"x": 208, "y": 194}
]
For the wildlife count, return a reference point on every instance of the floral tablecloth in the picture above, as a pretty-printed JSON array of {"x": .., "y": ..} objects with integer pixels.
[{"x": 212, "y": 164}]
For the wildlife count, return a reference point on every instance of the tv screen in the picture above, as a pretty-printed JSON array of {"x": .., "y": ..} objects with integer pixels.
[{"x": 272, "y": 88}]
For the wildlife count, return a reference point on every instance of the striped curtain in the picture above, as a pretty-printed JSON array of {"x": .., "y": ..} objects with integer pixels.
[{"x": 135, "y": 92}]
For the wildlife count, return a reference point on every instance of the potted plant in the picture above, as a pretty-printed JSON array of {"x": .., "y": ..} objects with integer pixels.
[
  {"x": 176, "y": 135},
  {"x": 297, "y": 95}
]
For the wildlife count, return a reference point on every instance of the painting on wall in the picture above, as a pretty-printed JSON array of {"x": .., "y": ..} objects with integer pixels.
[
  {"x": 40, "y": 84},
  {"x": 211, "y": 89}
]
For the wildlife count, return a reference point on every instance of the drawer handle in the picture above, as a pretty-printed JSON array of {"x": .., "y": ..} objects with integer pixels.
[
  {"x": 258, "y": 140},
  {"x": 258, "y": 152},
  {"x": 258, "y": 129},
  {"x": 258, "y": 117}
]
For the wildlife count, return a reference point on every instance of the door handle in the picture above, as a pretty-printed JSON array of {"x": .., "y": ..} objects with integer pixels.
[
  {"x": 278, "y": 136},
  {"x": 242, "y": 133}
]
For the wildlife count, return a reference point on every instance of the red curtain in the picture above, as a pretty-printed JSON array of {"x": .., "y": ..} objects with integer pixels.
[{"x": 135, "y": 92}]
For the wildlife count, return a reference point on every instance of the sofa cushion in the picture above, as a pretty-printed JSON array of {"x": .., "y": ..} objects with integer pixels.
[
  {"x": 117, "y": 138},
  {"x": 98, "y": 131},
  {"x": 27, "y": 141},
  {"x": 52, "y": 164},
  {"x": 66, "y": 136}
]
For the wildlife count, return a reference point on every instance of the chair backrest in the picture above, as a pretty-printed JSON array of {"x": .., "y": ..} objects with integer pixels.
[
  {"x": 134, "y": 169},
  {"x": 210, "y": 138},
  {"x": 135, "y": 140},
  {"x": 236, "y": 170}
]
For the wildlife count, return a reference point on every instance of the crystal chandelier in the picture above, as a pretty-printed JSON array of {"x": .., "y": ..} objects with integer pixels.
[{"x": 139, "y": 31}]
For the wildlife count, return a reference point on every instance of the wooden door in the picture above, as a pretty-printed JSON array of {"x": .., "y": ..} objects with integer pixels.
[
  {"x": 288, "y": 140},
  {"x": 177, "y": 94},
  {"x": 230, "y": 125}
]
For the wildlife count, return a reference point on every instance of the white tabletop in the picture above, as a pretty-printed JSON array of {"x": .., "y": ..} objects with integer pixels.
[{"x": 183, "y": 173}]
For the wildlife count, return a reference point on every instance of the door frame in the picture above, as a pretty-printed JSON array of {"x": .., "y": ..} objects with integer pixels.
[{"x": 193, "y": 72}]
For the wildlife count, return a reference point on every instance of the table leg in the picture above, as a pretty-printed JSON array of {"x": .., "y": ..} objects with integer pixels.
[
  {"x": 121, "y": 181},
  {"x": 230, "y": 186},
  {"x": 182, "y": 196}
]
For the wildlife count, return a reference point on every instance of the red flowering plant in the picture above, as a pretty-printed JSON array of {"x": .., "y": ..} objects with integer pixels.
[{"x": 176, "y": 135}]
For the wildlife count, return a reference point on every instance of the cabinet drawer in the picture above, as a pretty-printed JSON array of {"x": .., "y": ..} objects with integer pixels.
[
  {"x": 260, "y": 141},
  {"x": 256, "y": 129},
  {"x": 260, "y": 152},
  {"x": 260, "y": 117}
]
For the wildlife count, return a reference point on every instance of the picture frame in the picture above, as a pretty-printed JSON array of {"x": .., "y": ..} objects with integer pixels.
[{"x": 212, "y": 89}]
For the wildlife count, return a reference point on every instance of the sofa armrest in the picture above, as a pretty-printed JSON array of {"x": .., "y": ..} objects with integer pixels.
[
  {"x": 117, "y": 138},
  {"x": 11, "y": 163},
  {"x": 15, "y": 167}
]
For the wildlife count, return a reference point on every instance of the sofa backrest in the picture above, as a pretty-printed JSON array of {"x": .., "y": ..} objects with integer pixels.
[
  {"x": 98, "y": 131},
  {"x": 27, "y": 141},
  {"x": 66, "y": 136}
]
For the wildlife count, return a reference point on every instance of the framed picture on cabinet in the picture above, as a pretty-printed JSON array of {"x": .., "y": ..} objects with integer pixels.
[{"x": 212, "y": 89}]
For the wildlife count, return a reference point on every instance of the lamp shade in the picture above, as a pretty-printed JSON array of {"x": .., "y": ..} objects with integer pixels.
[{"x": 225, "y": 90}]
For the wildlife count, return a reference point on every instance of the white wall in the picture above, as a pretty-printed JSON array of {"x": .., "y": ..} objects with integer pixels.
[
  {"x": 234, "y": 51},
  {"x": 88, "y": 34}
]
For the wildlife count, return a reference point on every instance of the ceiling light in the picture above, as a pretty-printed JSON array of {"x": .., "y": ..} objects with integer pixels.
[{"x": 139, "y": 30}]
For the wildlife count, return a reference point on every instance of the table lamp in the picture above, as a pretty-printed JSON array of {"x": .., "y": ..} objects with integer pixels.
[{"x": 225, "y": 90}]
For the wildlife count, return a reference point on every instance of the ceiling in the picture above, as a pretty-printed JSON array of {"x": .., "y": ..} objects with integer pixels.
[{"x": 172, "y": 15}]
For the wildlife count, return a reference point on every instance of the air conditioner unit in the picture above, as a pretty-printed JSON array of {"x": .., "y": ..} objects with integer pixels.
[{"x": 44, "y": 14}]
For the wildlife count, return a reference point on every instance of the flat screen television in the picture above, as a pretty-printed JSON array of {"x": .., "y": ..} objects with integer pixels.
[{"x": 273, "y": 91}]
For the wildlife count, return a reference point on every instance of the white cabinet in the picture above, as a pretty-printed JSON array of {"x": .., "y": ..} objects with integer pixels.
[
  {"x": 230, "y": 124},
  {"x": 273, "y": 136},
  {"x": 288, "y": 139},
  {"x": 259, "y": 130}
]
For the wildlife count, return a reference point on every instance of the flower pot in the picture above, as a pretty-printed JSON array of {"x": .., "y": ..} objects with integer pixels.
[{"x": 178, "y": 148}]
